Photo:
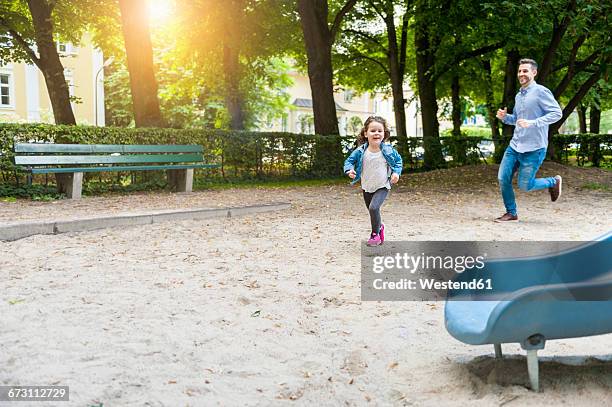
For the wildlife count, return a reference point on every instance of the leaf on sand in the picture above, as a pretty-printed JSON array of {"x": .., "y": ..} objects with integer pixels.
[
  {"x": 256, "y": 313},
  {"x": 16, "y": 301}
]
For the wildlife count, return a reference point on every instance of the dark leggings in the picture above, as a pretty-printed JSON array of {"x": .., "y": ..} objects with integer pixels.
[{"x": 374, "y": 201}]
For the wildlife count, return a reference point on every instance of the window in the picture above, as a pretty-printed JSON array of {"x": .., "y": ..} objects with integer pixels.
[
  {"x": 70, "y": 82},
  {"x": 66, "y": 48},
  {"x": 305, "y": 124},
  {"x": 348, "y": 95},
  {"x": 284, "y": 123},
  {"x": 5, "y": 89}
]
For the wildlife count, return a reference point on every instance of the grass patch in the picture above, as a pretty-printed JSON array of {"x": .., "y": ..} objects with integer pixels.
[{"x": 595, "y": 186}]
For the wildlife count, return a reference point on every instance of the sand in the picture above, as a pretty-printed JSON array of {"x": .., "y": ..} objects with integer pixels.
[{"x": 265, "y": 309}]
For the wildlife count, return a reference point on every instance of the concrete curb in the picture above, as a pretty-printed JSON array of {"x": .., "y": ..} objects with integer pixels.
[{"x": 18, "y": 231}]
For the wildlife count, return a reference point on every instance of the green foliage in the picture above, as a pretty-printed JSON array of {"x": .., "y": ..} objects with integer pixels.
[
  {"x": 245, "y": 158},
  {"x": 354, "y": 126},
  {"x": 70, "y": 21},
  {"x": 119, "y": 111},
  {"x": 468, "y": 131},
  {"x": 229, "y": 50},
  {"x": 96, "y": 187},
  {"x": 34, "y": 192},
  {"x": 585, "y": 149},
  {"x": 255, "y": 155},
  {"x": 596, "y": 186},
  {"x": 242, "y": 155}
]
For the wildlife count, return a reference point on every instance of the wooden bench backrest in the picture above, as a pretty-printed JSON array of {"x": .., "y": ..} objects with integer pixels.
[{"x": 83, "y": 154}]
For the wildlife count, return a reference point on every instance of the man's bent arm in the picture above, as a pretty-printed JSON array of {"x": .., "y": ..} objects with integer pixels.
[{"x": 510, "y": 119}]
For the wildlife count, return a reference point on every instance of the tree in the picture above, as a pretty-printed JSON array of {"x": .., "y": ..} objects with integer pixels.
[
  {"x": 354, "y": 126},
  {"x": 437, "y": 28},
  {"x": 585, "y": 58},
  {"x": 24, "y": 28},
  {"x": 364, "y": 48},
  {"x": 570, "y": 39},
  {"x": 231, "y": 49},
  {"x": 139, "y": 52},
  {"x": 319, "y": 38}
]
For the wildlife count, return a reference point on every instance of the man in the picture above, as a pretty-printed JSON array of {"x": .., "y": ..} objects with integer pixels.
[{"x": 535, "y": 108}]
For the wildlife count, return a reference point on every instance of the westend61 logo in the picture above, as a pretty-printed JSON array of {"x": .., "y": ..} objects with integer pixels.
[{"x": 472, "y": 270}]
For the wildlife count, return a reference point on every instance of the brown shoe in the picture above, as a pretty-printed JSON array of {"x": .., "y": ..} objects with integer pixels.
[
  {"x": 507, "y": 218},
  {"x": 555, "y": 192}
]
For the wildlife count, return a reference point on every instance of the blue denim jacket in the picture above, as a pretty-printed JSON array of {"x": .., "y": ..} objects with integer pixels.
[{"x": 355, "y": 160}]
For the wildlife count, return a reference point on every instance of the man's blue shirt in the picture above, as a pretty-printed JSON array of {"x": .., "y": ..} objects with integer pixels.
[{"x": 536, "y": 104}]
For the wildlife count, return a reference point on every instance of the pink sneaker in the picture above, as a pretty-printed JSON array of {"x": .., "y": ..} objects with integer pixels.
[
  {"x": 374, "y": 240},
  {"x": 382, "y": 233}
]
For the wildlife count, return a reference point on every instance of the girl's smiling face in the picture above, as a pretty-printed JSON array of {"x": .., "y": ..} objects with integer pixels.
[{"x": 375, "y": 133}]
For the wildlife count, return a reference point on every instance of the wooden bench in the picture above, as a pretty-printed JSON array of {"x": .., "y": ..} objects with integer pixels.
[{"x": 70, "y": 161}]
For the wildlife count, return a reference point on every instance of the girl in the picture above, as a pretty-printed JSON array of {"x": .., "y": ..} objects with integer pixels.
[{"x": 378, "y": 165}]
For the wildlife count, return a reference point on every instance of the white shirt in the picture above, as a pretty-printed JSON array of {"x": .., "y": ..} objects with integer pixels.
[{"x": 374, "y": 172}]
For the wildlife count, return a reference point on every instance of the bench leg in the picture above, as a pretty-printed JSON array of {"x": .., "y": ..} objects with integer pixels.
[
  {"x": 71, "y": 184},
  {"x": 180, "y": 180}
]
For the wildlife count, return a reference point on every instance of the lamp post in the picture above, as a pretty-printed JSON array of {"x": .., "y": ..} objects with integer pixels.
[{"x": 104, "y": 65}]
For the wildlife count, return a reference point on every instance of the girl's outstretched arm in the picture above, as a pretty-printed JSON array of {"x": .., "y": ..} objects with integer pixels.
[
  {"x": 349, "y": 163},
  {"x": 398, "y": 165}
]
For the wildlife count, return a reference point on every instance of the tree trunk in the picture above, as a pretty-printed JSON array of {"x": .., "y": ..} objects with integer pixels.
[
  {"x": 140, "y": 63},
  {"x": 427, "y": 95},
  {"x": 510, "y": 86},
  {"x": 49, "y": 62},
  {"x": 233, "y": 96},
  {"x": 569, "y": 108},
  {"x": 318, "y": 40},
  {"x": 396, "y": 69},
  {"x": 559, "y": 30},
  {"x": 232, "y": 67},
  {"x": 459, "y": 152},
  {"x": 456, "y": 102},
  {"x": 581, "y": 111},
  {"x": 594, "y": 118},
  {"x": 574, "y": 101},
  {"x": 490, "y": 101}
]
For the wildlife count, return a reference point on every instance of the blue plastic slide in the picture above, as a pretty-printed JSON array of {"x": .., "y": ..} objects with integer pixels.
[{"x": 562, "y": 295}]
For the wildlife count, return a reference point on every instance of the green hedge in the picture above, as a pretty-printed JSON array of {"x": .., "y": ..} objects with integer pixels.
[
  {"x": 241, "y": 155},
  {"x": 261, "y": 155},
  {"x": 585, "y": 149}
]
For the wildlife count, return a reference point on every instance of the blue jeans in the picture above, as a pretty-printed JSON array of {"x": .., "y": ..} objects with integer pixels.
[{"x": 527, "y": 165}]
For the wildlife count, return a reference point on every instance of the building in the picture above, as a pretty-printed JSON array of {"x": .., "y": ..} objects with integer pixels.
[
  {"x": 24, "y": 97},
  {"x": 352, "y": 110},
  {"x": 23, "y": 93}
]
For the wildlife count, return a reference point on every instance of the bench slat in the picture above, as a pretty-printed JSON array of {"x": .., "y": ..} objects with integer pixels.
[
  {"x": 107, "y": 159},
  {"x": 121, "y": 168},
  {"x": 106, "y": 148}
]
